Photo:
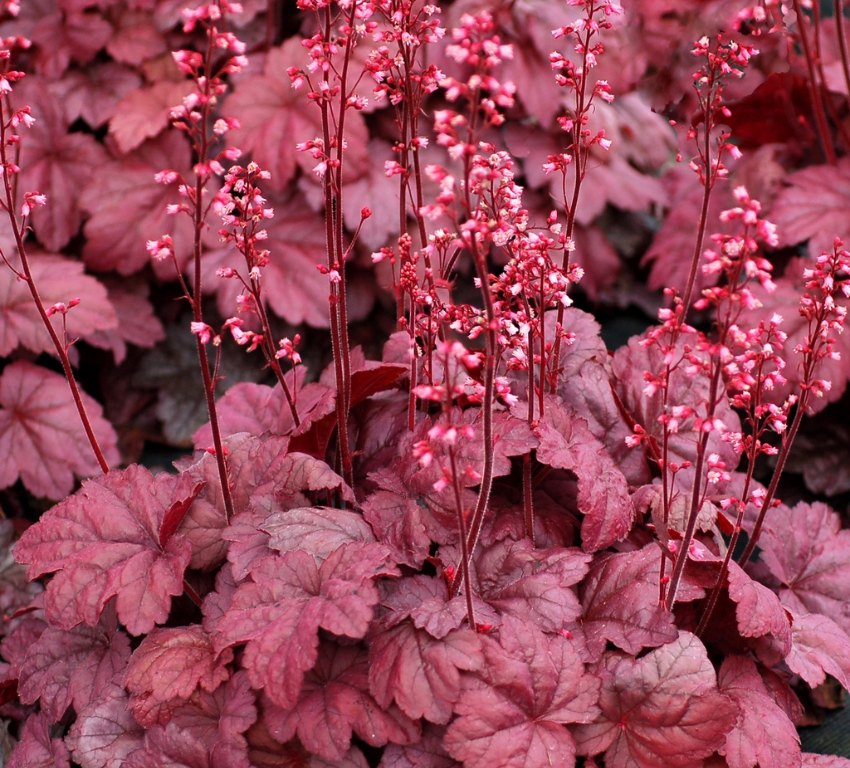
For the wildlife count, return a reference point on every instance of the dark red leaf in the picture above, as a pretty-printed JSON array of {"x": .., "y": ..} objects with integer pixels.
[{"x": 175, "y": 514}]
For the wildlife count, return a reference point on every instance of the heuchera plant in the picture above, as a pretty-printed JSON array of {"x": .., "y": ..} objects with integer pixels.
[{"x": 486, "y": 539}]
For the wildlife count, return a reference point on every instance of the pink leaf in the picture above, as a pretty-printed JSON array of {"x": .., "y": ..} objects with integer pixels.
[
  {"x": 220, "y": 719},
  {"x": 532, "y": 584},
  {"x": 63, "y": 668},
  {"x": 757, "y": 610},
  {"x": 813, "y": 565},
  {"x": 127, "y": 207},
  {"x": 135, "y": 37},
  {"x": 274, "y": 117},
  {"x": 421, "y": 674},
  {"x": 263, "y": 474},
  {"x": 513, "y": 715},
  {"x": 279, "y": 612},
  {"x": 41, "y": 438},
  {"x": 137, "y": 324},
  {"x": 258, "y": 408},
  {"x": 630, "y": 362},
  {"x": 169, "y": 747},
  {"x": 57, "y": 163},
  {"x": 94, "y": 93},
  {"x": 813, "y": 206},
  {"x": 620, "y": 598},
  {"x": 168, "y": 667},
  {"x": 566, "y": 442},
  {"x": 103, "y": 542},
  {"x": 105, "y": 734},
  {"x": 764, "y": 734},
  {"x": 62, "y": 36},
  {"x": 661, "y": 709},
  {"x": 36, "y": 748},
  {"x": 58, "y": 280},
  {"x": 293, "y": 286},
  {"x": 335, "y": 703},
  {"x": 317, "y": 530},
  {"x": 823, "y": 761},
  {"x": 819, "y": 647},
  {"x": 399, "y": 524},
  {"x": 176, "y": 513},
  {"x": 427, "y": 753},
  {"x": 143, "y": 113}
]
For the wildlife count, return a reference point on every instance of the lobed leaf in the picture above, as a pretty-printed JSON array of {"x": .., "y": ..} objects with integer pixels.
[
  {"x": 103, "y": 543},
  {"x": 661, "y": 709},
  {"x": 41, "y": 439}
]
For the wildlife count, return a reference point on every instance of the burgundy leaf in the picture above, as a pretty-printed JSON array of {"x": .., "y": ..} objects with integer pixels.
[
  {"x": 317, "y": 530},
  {"x": 334, "y": 703},
  {"x": 661, "y": 709},
  {"x": 512, "y": 714},
  {"x": 566, "y": 442},
  {"x": 105, "y": 734},
  {"x": 819, "y": 647},
  {"x": 278, "y": 613},
  {"x": 63, "y": 668},
  {"x": 620, "y": 599},
  {"x": 532, "y": 584},
  {"x": 764, "y": 734},
  {"x": 36, "y": 748},
  {"x": 813, "y": 565},
  {"x": 367, "y": 379},
  {"x": 41, "y": 439},
  {"x": 58, "y": 280},
  {"x": 175, "y": 514},
  {"x": 168, "y": 667},
  {"x": 103, "y": 542},
  {"x": 420, "y": 673}
]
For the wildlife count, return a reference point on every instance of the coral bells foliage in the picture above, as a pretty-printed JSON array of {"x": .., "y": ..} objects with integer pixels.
[{"x": 489, "y": 536}]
